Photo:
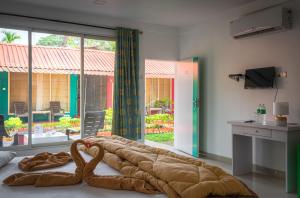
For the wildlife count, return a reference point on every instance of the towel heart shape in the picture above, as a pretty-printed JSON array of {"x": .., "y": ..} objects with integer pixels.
[{"x": 114, "y": 182}]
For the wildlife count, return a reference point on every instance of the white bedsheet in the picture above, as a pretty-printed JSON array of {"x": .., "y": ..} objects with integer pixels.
[{"x": 77, "y": 191}]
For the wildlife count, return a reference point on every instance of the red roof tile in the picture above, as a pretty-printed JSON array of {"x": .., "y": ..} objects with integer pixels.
[{"x": 14, "y": 58}]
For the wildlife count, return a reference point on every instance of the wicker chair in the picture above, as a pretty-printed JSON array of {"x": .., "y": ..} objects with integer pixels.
[
  {"x": 93, "y": 121},
  {"x": 56, "y": 110},
  {"x": 20, "y": 109}
]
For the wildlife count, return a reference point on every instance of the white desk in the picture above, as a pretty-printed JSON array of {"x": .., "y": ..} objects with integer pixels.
[{"x": 242, "y": 135}]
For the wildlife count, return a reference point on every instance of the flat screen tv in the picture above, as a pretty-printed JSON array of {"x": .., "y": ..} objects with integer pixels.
[{"x": 260, "y": 78}]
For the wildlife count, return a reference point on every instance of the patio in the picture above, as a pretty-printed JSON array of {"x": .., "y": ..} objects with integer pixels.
[{"x": 56, "y": 78}]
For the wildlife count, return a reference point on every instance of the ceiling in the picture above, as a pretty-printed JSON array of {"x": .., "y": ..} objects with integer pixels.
[{"x": 175, "y": 13}]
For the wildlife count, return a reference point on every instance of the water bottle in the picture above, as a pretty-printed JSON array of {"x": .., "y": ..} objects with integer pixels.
[{"x": 263, "y": 112}]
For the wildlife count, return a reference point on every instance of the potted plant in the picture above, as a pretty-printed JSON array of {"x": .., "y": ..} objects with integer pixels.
[
  {"x": 12, "y": 126},
  {"x": 3, "y": 132},
  {"x": 164, "y": 104}
]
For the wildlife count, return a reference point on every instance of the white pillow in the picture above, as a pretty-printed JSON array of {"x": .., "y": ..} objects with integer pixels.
[{"x": 6, "y": 157}]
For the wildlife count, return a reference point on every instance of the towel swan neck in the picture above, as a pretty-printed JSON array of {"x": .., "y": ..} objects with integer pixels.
[
  {"x": 77, "y": 158},
  {"x": 115, "y": 182}
]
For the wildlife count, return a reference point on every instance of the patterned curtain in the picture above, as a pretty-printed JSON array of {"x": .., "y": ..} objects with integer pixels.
[{"x": 126, "y": 113}]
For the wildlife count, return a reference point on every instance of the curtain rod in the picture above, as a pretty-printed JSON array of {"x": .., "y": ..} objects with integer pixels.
[{"x": 61, "y": 21}]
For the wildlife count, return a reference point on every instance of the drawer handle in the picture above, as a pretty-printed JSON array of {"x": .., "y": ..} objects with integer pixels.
[{"x": 256, "y": 131}]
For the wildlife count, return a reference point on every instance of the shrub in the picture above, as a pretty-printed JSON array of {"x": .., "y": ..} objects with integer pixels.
[
  {"x": 108, "y": 116},
  {"x": 68, "y": 122},
  {"x": 13, "y": 123},
  {"x": 162, "y": 103},
  {"x": 150, "y": 119},
  {"x": 75, "y": 122}
]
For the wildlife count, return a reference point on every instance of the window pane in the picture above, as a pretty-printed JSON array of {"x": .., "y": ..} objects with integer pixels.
[
  {"x": 55, "y": 88},
  {"x": 99, "y": 57},
  {"x": 13, "y": 87}
]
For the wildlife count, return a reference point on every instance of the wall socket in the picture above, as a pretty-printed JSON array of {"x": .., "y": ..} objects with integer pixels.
[{"x": 282, "y": 74}]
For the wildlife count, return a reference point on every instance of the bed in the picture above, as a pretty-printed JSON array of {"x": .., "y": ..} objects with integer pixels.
[
  {"x": 150, "y": 169},
  {"x": 76, "y": 191}
]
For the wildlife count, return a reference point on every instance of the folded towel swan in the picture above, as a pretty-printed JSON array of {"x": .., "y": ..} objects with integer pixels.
[
  {"x": 44, "y": 160},
  {"x": 51, "y": 178},
  {"x": 84, "y": 171}
]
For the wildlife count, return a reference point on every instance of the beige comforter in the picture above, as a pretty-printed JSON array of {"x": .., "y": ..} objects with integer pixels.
[{"x": 152, "y": 170}]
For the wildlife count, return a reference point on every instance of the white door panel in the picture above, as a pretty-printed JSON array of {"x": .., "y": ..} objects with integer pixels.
[{"x": 183, "y": 107}]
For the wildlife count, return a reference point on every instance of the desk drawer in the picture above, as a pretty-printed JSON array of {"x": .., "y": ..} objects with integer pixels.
[
  {"x": 238, "y": 130},
  {"x": 258, "y": 132},
  {"x": 279, "y": 135}
]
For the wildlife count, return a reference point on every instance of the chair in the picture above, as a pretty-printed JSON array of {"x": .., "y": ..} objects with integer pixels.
[
  {"x": 19, "y": 109},
  {"x": 93, "y": 121},
  {"x": 56, "y": 109}
]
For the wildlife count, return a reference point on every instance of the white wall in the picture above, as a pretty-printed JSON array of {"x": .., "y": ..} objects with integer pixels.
[{"x": 226, "y": 99}]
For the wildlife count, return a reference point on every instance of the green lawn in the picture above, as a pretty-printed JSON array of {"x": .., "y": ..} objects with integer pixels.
[{"x": 161, "y": 137}]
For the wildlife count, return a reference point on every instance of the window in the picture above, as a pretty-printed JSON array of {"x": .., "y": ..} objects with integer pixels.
[
  {"x": 56, "y": 68},
  {"x": 99, "y": 57},
  {"x": 14, "y": 87},
  {"x": 55, "y": 88}
]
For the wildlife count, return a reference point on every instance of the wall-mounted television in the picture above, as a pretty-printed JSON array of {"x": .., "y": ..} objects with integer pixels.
[{"x": 260, "y": 78}]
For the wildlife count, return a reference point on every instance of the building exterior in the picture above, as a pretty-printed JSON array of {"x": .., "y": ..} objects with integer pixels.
[{"x": 56, "y": 78}]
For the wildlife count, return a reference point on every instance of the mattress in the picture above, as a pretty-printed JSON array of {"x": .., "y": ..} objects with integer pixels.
[{"x": 76, "y": 191}]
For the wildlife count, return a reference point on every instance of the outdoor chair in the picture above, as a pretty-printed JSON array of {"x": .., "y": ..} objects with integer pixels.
[
  {"x": 19, "y": 109},
  {"x": 93, "y": 121},
  {"x": 56, "y": 110}
]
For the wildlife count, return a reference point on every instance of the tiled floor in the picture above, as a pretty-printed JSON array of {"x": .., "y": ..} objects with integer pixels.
[{"x": 264, "y": 186}]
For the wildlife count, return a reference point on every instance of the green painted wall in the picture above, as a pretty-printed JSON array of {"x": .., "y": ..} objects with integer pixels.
[
  {"x": 4, "y": 94},
  {"x": 73, "y": 95}
]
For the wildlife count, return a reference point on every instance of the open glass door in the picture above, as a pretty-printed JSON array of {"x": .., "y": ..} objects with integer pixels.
[
  {"x": 159, "y": 101},
  {"x": 187, "y": 100}
]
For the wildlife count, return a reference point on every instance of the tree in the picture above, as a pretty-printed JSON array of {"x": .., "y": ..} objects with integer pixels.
[
  {"x": 9, "y": 37},
  {"x": 74, "y": 42},
  {"x": 100, "y": 44},
  {"x": 59, "y": 41}
]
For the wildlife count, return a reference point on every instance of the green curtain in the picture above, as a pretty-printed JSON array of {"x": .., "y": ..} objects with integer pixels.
[{"x": 126, "y": 113}]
